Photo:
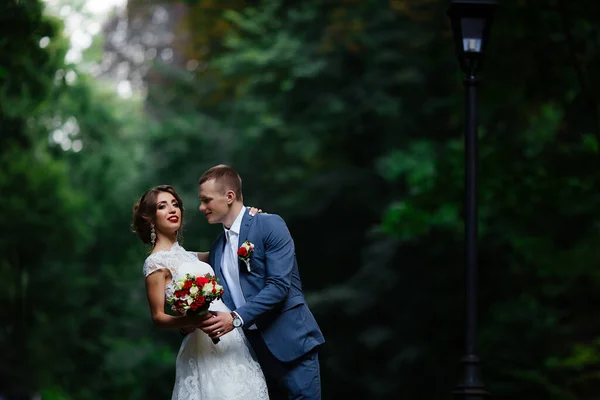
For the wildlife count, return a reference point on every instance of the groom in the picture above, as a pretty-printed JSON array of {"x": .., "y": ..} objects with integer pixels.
[{"x": 264, "y": 294}]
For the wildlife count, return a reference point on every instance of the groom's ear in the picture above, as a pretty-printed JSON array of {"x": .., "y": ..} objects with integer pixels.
[{"x": 230, "y": 197}]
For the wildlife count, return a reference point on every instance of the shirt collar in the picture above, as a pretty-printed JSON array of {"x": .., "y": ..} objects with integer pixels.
[{"x": 235, "y": 227}]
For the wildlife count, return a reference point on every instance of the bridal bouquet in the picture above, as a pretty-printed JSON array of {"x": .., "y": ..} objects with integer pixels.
[{"x": 193, "y": 295}]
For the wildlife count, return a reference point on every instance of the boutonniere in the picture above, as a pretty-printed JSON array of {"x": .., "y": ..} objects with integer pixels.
[{"x": 244, "y": 253}]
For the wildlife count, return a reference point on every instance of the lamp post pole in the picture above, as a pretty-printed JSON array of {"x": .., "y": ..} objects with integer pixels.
[
  {"x": 471, "y": 20},
  {"x": 471, "y": 387}
]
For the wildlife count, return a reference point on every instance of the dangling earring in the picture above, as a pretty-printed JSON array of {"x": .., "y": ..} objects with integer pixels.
[{"x": 152, "y": 235}]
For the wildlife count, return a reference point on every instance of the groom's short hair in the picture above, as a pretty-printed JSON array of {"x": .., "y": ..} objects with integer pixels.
[{"x": 225, "y": 176}]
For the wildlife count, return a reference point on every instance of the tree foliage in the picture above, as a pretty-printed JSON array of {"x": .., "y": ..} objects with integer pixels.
[{"x": 344, "y": 117}]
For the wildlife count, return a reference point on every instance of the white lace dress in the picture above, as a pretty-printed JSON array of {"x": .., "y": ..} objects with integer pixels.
[{"x": 205, "y": 371}]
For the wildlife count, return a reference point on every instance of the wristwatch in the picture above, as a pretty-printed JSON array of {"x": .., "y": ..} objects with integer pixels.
[{"x": 237, "y": 321}]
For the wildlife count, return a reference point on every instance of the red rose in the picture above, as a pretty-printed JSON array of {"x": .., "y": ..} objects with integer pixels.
[
  {"x": 179, "y": 293},
  {"x": 200, "y": 301},
  {"x": 187, "y": 284},
  {"x": 201, "y": 281},
  {"x": 194, "y": 306},
  {"x": 242, "y": 252}
]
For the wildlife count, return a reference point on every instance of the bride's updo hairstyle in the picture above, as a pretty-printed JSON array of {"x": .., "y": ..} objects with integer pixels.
[{"x": 144, "y": 210}]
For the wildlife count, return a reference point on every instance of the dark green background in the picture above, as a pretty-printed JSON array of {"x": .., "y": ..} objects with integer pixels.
[{"x": 346, "y": 118}]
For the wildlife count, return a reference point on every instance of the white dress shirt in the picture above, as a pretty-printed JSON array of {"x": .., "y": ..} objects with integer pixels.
[{"x": 230, "y": 264}]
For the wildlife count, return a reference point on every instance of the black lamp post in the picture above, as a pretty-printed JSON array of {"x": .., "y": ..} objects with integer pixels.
[{"x": 471, "y": 20}]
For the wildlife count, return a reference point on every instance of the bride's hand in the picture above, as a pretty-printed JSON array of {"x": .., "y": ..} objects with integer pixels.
[
  {"x": 184, "y": 330},
  {"x": 187, "y": 330},
  {"x": 200, "y": 318},
  {"x": 254, "y": 211},
  {"x": 218, "y": 325},
  {"x": 196, "y": 320}
]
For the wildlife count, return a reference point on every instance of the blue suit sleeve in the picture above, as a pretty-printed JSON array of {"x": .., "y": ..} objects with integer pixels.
[{"x": 280, "y": 256}]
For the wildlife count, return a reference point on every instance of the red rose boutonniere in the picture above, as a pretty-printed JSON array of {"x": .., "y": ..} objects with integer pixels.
[{"x": 244, "y": 253}]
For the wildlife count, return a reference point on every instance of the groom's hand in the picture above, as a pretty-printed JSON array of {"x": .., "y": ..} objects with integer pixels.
[
  {"x": 220, "y": 324},
  {"x": 254, "y": 211}
]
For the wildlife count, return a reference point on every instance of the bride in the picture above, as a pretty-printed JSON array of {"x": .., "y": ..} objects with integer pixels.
[{"x": 204, "y": 370}]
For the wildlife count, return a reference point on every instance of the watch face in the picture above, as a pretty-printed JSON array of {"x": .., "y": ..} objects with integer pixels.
[{"x": 237, "y": 323}]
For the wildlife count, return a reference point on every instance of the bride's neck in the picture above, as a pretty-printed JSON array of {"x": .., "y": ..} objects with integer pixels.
[{"x": 165, "y": 242}]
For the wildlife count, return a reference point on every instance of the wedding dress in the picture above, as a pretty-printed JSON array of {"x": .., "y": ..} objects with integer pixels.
[{"x": 204, "y": 370}]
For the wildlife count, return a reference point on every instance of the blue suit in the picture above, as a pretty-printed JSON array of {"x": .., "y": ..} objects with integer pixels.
[{"x": 275, "y": 304}]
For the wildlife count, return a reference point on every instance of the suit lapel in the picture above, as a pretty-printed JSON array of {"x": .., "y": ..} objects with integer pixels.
[
  {"x": 244, "y": 228},
  {"x": 219, "y": 254},
  {"x": 218, "y": 272}
]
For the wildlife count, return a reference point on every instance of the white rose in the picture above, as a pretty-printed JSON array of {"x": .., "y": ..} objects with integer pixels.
[
  {"x": 207, "y": 288},
  {"x": 194, "y": 290},
  {"x": 218, "y": 287},
  {"x": 189, "y": 300}
]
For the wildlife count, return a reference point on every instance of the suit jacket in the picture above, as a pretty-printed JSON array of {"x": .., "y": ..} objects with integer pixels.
[{"x": 272, "y": 289}]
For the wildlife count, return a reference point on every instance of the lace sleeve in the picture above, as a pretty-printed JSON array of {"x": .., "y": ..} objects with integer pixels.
[{"x": 151, "y": 265}]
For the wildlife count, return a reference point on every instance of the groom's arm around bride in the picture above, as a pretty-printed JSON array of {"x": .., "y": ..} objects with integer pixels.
[{"x": 262, "y": 287}]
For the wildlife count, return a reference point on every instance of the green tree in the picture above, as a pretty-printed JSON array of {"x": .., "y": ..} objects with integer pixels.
[{"x": 325, "y": 102}]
